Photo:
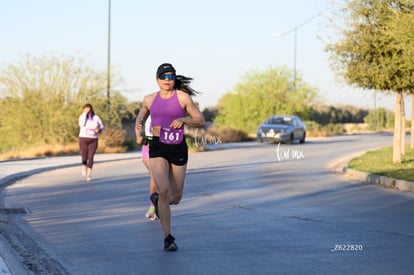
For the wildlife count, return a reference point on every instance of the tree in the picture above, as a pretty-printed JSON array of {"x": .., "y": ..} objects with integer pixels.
[
  {"x": 368, "y": 55},
  {"x": 402, "y": 31},
  {"x": 42, "y": 98},
  {"x": 324, "y": 114},
  {"x": 262, "y": 94}
]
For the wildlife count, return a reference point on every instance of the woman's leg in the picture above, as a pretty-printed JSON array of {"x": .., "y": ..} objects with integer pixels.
[
  {"x": 160, "y": 171},
  {"x": 169, "y": 179},
  {"x": 92, "y": 146},
  {"x": 152, "y": 189},
  {"x": 152, "y": 186},
  {"x": 83, "y": 148},
  {"x": 177, "y": 177}
]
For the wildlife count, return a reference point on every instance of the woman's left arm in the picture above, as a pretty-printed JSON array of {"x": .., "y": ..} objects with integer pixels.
[
  {"x": 100, "y": 124},
  {"x": 195, "y": 119}
]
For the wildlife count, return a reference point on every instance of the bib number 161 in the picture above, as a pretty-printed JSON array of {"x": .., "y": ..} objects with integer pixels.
[{"x": 171, "y": 136}]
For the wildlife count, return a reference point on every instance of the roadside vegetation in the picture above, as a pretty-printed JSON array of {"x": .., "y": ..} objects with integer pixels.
[
  {"x": 41, "y": 97},
  {"x": 377, "y": 162},
  {"x": 373, "y": 50}
]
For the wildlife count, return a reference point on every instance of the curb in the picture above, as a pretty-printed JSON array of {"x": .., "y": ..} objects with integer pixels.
[
  {"x": 340, "y": 166},
  {"x": 386, "y": 182},
  {"x": 368, "y": 178}
]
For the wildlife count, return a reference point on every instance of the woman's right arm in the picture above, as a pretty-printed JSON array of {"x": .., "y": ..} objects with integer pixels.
[
  {"x": 81, "y": 120},
  {"x": 141, "y": 117}
]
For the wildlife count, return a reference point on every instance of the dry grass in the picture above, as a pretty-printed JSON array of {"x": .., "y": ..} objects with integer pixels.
[
  {"x": 111, "y": 140},
  {"x": 41, "y": 151},
  {"x": 55, "y": 150}
]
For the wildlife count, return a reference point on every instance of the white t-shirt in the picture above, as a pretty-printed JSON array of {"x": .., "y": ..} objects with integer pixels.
[
  {"x": 147, "y": 127},
  {"x": 88, "y": 126}
]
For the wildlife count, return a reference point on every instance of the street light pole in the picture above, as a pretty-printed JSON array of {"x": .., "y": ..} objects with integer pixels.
[
  {"x": 295, "y": 46},
  {"x": 295, "y": 41},
  {"x": 108, "y": 68}
]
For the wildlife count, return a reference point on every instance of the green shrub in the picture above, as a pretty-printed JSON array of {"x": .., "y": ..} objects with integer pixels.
[{"x": 314, "y": 129}]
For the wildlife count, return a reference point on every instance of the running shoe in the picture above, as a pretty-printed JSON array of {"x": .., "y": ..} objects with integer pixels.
[
  {"x": 154, "y": 199},
  {"x": 169, "y": 244},
  {"x": 151, "y": 214}
]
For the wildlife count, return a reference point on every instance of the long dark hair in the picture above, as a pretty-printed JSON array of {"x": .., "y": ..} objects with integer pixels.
[
  {"x": 91, "y": 112},
  {"x": 182, "y": 83}
]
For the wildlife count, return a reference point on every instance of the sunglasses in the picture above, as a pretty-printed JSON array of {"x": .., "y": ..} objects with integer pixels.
[{"x": 169, "y": 77}]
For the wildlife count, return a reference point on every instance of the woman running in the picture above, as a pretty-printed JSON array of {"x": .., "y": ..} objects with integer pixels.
[{"x": 170, "y": 108}]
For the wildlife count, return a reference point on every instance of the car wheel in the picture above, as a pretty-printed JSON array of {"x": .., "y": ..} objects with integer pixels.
[
  {"x": 302, "y": 140},
  {"x": 290, "y": 141}
]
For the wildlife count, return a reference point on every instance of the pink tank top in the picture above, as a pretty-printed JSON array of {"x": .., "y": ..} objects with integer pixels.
[{"x": 164, "y": 111}]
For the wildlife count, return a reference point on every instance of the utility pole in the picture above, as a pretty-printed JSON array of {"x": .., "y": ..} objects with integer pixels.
[
  {"x": 295, "y": 43},
  {"x": 108, "y": 68}
]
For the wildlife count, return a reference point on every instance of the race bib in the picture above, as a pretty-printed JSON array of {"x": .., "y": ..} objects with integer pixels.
[
  {"x": 91, "y": 132},
  {"x": 171, "y": 136}
]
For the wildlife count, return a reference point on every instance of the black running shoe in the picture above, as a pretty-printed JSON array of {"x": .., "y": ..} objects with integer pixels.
[
  {"x": 169, "y": 244},
  {"x": 154, "y": 199}
]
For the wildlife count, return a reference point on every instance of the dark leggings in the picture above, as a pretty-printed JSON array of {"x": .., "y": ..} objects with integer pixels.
[{"x": 88, "y": 148}]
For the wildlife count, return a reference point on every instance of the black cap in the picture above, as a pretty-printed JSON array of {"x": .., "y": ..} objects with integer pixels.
[{"x": 165, "y": 68}]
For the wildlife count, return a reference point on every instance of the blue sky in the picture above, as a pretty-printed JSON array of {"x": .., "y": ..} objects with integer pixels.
[{"x": 215, "y": 42}]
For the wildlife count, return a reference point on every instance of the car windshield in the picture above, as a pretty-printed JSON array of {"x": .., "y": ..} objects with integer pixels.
[{"x": 281, "y": 120}]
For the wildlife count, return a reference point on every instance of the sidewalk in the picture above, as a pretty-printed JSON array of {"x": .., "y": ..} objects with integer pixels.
[{"x": 14, "y": 170}]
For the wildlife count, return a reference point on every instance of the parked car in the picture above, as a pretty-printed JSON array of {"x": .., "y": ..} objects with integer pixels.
[{"x": 283, "y": 129}]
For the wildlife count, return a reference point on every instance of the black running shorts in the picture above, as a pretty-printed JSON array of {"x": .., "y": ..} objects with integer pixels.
[{"x": 176, "y": 154}]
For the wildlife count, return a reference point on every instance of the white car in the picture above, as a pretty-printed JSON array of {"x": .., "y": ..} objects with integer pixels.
[{"x": 283, "y": 129}]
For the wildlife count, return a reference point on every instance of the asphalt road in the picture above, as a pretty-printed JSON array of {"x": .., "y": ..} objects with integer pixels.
[{"x": 256, "y": 209}]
